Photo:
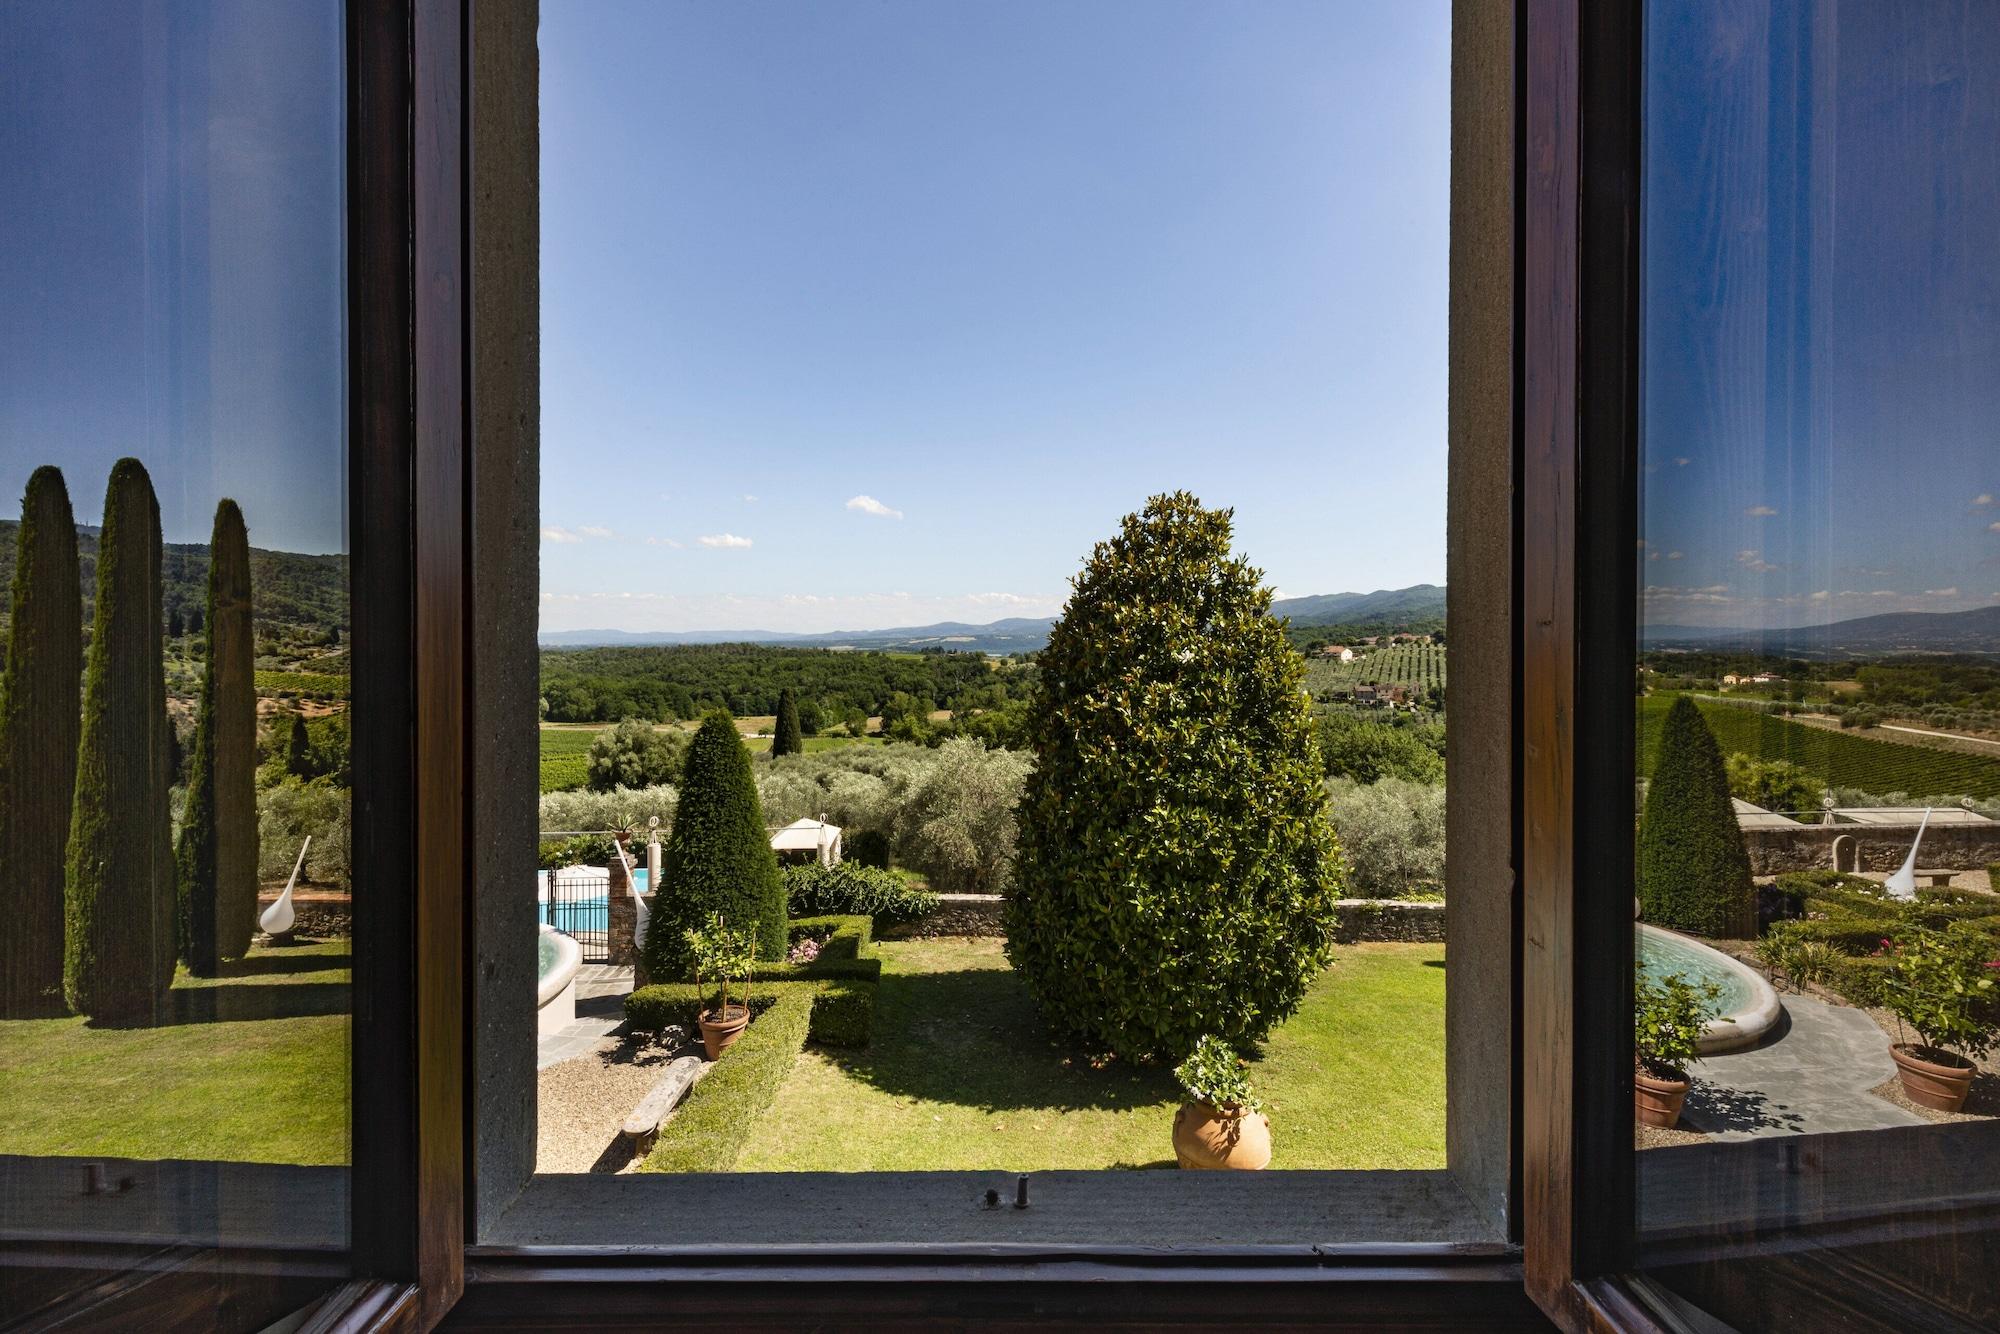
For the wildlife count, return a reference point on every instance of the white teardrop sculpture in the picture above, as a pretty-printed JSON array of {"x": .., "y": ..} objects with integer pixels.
[
  {"x": 1903, "y": 885},
  {"x": 279, "y": 918}
]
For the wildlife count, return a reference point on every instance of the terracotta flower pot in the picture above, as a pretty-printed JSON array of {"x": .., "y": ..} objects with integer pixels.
[
  {"x": 717, "y": 1032},
  {"x": 1229, "y": 1137},
  {"x": 1656, "y": 1101},
  {"x": 1928, "y": 1081}
]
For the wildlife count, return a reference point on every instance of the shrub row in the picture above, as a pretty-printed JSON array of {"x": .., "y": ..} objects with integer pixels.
[
  {"x": 840, "y": 984},
  {"x": 850, "y": 887},
  {"x": 709, "y": 1131},
  {"x": 1843, "y": 919}
]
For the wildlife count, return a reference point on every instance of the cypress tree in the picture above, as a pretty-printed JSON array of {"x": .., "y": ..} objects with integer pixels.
[
  {"x": 1693, "y": 873},
  {"x": 39, "y": 724},
  {"x": 787, "y": 739},
  {"x": 298, "y": 750},
  {"x": 217, "y": 859},
  {"x": 718, "y": 858},
  {"x": 119, "y": 946}
]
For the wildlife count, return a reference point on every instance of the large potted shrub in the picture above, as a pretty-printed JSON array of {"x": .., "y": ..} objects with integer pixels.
[
  {"x": 723, "y": 954},
  {"x": 1693, "y": 870},
  {"x": 1668, "y": 1018},
  {"x": 1221, "y": 1124},
  {"x": 1940, "y": 983},
  {"x": 1176, "y": 873}
]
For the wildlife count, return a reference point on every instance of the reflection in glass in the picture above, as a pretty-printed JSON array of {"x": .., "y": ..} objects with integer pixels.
[
  {"x": 1819, "y": 710},
  {"x": 172, "y": 416}
]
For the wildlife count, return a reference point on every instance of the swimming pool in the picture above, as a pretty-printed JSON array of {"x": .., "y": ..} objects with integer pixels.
[
  {"x": 581, "y": 904},
  {"x": 1749, "y": 1005}
]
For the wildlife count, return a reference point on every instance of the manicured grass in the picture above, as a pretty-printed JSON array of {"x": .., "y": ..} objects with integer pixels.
[
  {"x": 961, "y": 1075},
  {"x": 226, "y": 1084}
]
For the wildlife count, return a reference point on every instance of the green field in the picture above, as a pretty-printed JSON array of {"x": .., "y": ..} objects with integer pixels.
[
  {"x": 963, "y": 1076},
  {"x": 1840, "y": 758},
  {"x": 253, "y": 1070},
  {"x": 311, "y": 685},
  {"x": 566, "y": 752},
  {"x": 1419, "y": 665}
]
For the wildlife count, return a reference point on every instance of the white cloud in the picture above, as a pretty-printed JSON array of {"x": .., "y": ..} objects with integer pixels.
[
  {"x": 663, "y": 542},
  {"x": 1673, "y": 555},
  {"x": 1993, "y": 527},
  {"x": 1822, "y": 595},
  {"x": 560, "y": 535},
  {"x": 723, "y": 540},
  {"x": 1940, "y": 592},
  {"x": 1983, "y": 500},
  {"x": 1682, "y": 462},
  {"x": 870, "y": 505},
  {"x": 749, "y": 499},
  {"x": 596, "y": 531},
  {"x": 1760, "y": 511},
  {"x": 1751, "y": 558}
]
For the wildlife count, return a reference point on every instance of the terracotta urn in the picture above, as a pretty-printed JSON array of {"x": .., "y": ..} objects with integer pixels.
[
  {"x": 1928, "y": 1080},
  {"x": 1227, "y": 1137},
  {"x": 718, "y": 1031},
  {"x": 1657, "y": 1097}
]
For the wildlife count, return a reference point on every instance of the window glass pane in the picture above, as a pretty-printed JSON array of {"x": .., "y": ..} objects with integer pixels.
[
  {"x": 173, "y": 777},
  {"x": 863, "y": 327},
  {"x": 1819, "y": 717}
]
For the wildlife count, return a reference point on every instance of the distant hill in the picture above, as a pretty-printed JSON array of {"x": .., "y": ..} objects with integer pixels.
[
  {"x": 1017, "y": 634},
  {"x": 1418, "y": 602},
  {"x": 1974, "y": 631},
  {"x": 286, "y": 588}
]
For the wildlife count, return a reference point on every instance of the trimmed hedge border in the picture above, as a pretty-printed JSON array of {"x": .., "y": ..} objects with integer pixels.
[
  {"x": 709, "y": 1131},
  {"x": 840, "y": 982},
  {"x": 1851, "y": 914}
]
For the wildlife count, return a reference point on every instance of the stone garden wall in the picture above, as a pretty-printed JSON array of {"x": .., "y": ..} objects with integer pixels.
[
  {"x": 1360, "y": 919},
  {"x": 1958, "y": 847}
]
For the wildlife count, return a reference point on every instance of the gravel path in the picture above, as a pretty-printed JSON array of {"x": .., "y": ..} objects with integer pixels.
[{"x": 584, "y": 1101}]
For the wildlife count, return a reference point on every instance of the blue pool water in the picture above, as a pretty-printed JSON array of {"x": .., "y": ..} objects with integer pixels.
[
  {"x": 1661, "y": 953},
  {"x": 582, "y": 908}
]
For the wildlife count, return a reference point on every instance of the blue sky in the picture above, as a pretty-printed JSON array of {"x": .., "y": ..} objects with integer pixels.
[
  {"x": 865, "y": 315},
  {"x": 171, "y": 258},
  {"x": 1823, "y": 313}
]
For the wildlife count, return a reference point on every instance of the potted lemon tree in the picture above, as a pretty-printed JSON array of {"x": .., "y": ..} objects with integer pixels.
[
  {"x": 727, "y": 955},
  {"x": 1941, "y": 985},
  {"x": 1668, "y": 1016},
  {"x": 1221, "y": 1125}
]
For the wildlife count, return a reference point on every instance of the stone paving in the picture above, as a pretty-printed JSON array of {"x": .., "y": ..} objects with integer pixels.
[
  {"x": 1810, "y": 1075},
  {"x": 601, "y": 990}
]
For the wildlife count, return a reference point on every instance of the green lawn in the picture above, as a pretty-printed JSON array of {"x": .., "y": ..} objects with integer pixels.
[
  {"x": 256, "y": 1071},
  {"x": 962, "y": 1076}
]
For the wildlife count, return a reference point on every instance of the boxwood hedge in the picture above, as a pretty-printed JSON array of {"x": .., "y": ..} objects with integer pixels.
[
  {"x": 708, "y": 1132},
  {"x": 840, "y": 983}
]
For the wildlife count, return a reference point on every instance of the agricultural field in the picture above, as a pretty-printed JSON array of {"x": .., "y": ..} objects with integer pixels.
[
  {"x": 565, "y": 747},
  {"x": 1418, "y": 665},
  {"x": 306, "y": 685},
  {"x": 1842, "y": 759}
]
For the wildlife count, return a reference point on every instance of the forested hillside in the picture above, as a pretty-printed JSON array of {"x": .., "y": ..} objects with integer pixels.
[
  {"x": 683, "y": 681},
  {"x": 288, "y": 590}
]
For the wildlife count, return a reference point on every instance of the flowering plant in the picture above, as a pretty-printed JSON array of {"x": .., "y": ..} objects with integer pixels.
[{"x": 1212, "y": 1074}]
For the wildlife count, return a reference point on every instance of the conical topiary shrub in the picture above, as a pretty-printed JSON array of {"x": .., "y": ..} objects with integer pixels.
[
  {"x": 718, "y": 857},
  {"x": 786, "y": 738},
  {"x": 1693, "y": 873},
  {"x": 217, "y": 858},
  {"x": 38, "y": 736},
  {"x": 119, "y": 944},
  {"x": 1176, "y": 873}
]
